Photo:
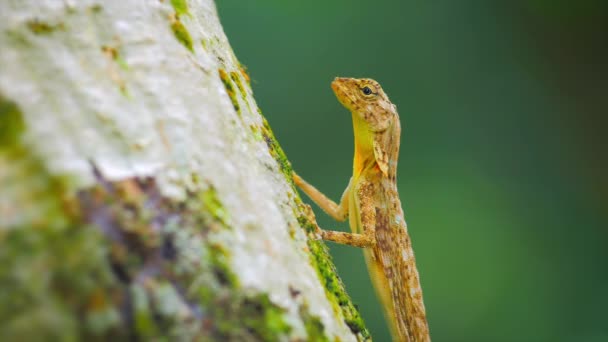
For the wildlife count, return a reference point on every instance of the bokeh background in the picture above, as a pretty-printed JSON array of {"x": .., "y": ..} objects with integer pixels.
[{"x": 503, "y": 166}]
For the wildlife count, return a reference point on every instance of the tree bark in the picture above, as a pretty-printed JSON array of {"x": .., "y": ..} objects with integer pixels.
[{"x": 142, "y": 193}]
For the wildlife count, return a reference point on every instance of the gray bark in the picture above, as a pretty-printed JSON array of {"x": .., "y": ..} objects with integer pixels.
[{"x": 142, "y": 193}]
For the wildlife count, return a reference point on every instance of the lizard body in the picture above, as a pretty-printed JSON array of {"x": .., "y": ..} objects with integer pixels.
[{"x": 371, "y": 203}]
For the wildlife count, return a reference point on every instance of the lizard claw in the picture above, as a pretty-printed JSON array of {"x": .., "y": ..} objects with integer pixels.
[
  {"x": 310, "y": 215},
  {"x": 318, "y": 234},
  {"x": 296, "y": 178}
]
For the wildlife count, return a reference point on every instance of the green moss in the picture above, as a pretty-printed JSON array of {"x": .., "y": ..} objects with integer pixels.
[
  {"x": 213, "y": 205},
  {"x": 119, "y": 261},
  {"x": 96, "y": 8},
  {"x": 304, "y": 222},
  {"x": 122, "y": 63},
  {"x": 257, "y": 135},
  {"x": 211, "y": 42},
  {"x": 315, "y": 330},
  {"x": 334, "y": 288},
  {"x": 219, "y": 260},
  {"x": 231, "y": 313},
  {"x": 237, "y": 80},
  {"x": 180, "y": 7},
  {"x": 47, "y": 276},
  {"x": 32, "y": 197},
  {"x": 249, "y": 318},
  {"x": 276, "y": 151},
  {"x": 41, "y": 27},
  {"x": 118, "y": 243},
  {"x": 230, "y": 90},
  {"x": 142, "y": 313},
  {"x": 11, "y": 122},
  {"x": 243, "y": 70},
  {"x": 320, "y": 257},
  {"x": 263, "y": 318},
  {"x": 124, "y": 91},
  {"x": 235, "y": 315},
  {"x": 182, "y": 34},
  {"x": 114, "y": 54},
  {"x": 161, "y": 244},
  {"x": 102, "y": 320},
  {"x": 166, "y": 299},
  {"x": 232, "y": 83}
]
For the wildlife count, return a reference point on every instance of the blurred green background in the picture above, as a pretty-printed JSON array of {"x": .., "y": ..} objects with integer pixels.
[{"x": 503, "y": 168}]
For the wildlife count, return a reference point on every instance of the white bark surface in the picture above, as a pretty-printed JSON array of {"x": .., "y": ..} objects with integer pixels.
[{"x": 107, "y": 83}]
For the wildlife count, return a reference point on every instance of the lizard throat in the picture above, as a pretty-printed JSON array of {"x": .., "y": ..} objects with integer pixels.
[{"x": 364, "y": 154}]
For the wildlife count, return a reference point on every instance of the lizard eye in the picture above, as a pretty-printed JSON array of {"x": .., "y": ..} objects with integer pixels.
[{"x": 366, "y": 90}]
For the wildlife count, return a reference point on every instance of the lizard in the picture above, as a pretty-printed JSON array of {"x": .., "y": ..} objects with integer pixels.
[{"x": 371, "y": 203}]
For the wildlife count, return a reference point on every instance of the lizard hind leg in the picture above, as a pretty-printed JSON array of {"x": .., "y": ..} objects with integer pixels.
[
  {"x": 365, "y": 240},
  {"x": 339, "y": 212},
  {"x": 351, "y": 239}
]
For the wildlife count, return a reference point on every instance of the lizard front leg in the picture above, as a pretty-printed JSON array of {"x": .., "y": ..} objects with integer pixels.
[{"x": 339, "y": 213}]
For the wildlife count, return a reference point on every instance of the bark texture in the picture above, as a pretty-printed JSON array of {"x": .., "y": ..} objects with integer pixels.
[{"x": 142, "y": 193}]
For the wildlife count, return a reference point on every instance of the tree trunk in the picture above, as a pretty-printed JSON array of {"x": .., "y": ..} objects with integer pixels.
[{"x": 142, "y": 193}]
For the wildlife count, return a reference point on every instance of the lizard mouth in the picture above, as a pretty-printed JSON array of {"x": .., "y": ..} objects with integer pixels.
[{"x": 340, "y": 87}]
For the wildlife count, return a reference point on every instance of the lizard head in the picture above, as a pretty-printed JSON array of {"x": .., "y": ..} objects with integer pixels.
[
  {"x": 375, "y": 119},
  {"x": 365, "y": 98}
]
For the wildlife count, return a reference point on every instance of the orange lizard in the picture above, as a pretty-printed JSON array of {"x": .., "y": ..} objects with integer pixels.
[{"x": 371, "y": 203}]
